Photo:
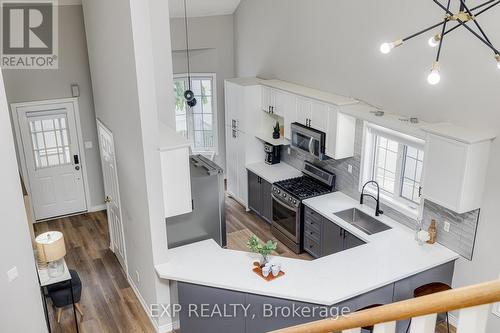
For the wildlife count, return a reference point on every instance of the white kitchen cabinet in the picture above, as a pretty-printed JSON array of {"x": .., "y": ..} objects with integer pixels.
[
  {"x": 176, "y": 177},
  {"x": 267, "y": 99},
  {"x": 318, "y": 119},
  {"x": 455, "y": 172},
  {"x": 312, "y": 113},
  {"x": 304, "y": 106},
  {"x": 274, "y": 101},
  {"x": 340, "y": 134},
  {"x": 243, "y": 119},
  {"x": 290, "y": 115}
]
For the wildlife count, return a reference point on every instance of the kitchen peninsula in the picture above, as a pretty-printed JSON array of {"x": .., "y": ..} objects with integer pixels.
[{"x": 385, "y": 269}]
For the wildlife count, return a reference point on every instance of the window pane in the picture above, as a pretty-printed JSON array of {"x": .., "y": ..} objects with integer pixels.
[
  {"x": 196, "y": 87},
  {"x": 207, "y": 104},
  {"x": 198, "y": 139},
  {"x": 413, "y": 161},
  {"x": 206, "y": 87},
  {"x": 386, "y": 161},
  {"x": 198, "y": 122},
  {"x": 207, "y": 122}
]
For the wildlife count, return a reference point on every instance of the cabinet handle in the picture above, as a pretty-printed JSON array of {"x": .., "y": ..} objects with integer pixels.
[
  {"x": 272, "y": 109},
  {"x": 420, "y": 191}
]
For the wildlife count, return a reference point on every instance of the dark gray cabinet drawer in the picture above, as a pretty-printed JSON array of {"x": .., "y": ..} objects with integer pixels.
[
  {"x": 312, "y": 215},
  {"x": 313, "y": 234},
  {"x": 312, "y": 224},
  {"x": 312, "y": 247},
  {"x": 259, "y": 197}
]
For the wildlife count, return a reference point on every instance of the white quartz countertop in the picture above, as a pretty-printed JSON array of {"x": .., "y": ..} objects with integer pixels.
[
  {"x": 387, "y": 257},
  {"x": 274, "y": 173}
]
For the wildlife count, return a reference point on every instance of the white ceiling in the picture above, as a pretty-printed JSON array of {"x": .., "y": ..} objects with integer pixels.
[{"x": 199, "y": 8}]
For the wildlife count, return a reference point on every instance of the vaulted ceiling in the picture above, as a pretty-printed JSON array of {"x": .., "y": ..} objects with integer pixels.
[{"x": 198, "y": 8}]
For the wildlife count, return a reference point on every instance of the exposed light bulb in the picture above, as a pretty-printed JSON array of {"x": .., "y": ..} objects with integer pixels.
[
  {"x": 434, "y": 76},
  {"x": 434, "y": 40},
  {"x": 387, "y": 47}
]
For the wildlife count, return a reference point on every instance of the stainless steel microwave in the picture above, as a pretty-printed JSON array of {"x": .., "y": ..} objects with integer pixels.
[{"x": 309, "y": 140}]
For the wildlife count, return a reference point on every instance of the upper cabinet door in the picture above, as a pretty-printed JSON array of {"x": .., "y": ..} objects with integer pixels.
[
  {"x": 267, "y": 99},
  {"x": 318, "y": 118},
  {"x": 340, "y": 134},
  {"x": 290, "y": 115},
  {"x": 281, "y": 102},
  {"x": 304, "y": 106},
  {"x": 454, "y": 173}
]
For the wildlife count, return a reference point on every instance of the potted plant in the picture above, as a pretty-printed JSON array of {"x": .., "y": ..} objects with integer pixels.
[{"x": 263, "y": 249}]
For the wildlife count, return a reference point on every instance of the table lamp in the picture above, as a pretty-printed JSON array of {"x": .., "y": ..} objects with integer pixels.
[{"x": 51, "y": 249}]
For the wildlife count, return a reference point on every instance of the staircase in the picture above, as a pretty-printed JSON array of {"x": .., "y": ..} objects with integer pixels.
[{"x": 473, "y": 303}]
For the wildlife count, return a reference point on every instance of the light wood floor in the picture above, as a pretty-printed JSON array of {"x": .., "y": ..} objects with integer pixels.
[
  {"x": 241, "y": 225},
  {"x": 108, "y": 302}
]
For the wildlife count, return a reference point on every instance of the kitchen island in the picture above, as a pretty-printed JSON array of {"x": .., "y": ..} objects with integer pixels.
[{"x": 385, "y": 269}]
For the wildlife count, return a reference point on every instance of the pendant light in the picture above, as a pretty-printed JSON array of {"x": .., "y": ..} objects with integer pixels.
[
  {"x": 188, "y": 94},
  {"x": 461, "y": 17}
]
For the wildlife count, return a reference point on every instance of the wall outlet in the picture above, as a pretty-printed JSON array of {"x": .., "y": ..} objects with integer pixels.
[
  {"x": 88, "y": 144},
  {"x": 137, "y": 276},
  {"x": 12, "y": 274},
  {"x": 349, "y": 168},
  {"x": 447, "y": 226}
]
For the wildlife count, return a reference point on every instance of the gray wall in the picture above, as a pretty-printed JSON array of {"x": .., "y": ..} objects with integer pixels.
[
  {"x": 333, "y": 46},
  {"x": 125, "y": 87},
  {"x": 34, "y": 85},
  {"x": 20, "y": 301},
  {"x": 212, "y": 42}
]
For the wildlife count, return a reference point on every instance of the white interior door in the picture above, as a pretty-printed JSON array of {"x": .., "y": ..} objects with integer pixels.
[
  {"x": 53, "y": 162},
  {"x": 112, "y": 193}
]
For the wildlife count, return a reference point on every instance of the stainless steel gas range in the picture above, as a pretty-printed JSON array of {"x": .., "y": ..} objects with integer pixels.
[{"x": 287, "y": 198}]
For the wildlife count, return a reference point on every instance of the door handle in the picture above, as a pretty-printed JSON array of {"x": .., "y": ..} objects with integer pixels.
[
  {"x": 108, "y": 199},
  {"x": 311, "y": 146},
  {"x": 76, "y": 159},
  {"x": 77, "y": 167}
]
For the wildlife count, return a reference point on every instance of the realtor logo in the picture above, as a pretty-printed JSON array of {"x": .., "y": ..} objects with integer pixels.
[{"x": 29, "y": 34}]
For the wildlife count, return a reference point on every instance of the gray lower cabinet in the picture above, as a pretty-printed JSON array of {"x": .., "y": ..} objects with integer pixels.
[
  {"x": 323, "y": 237},
  {"x": 207, "y": 309},
  {"x": 259, "y": 196}
]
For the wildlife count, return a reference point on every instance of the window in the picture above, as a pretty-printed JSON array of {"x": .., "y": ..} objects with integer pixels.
[
  {"x": 394, "y": 160},
  {"x": 197, "y": 124},
  {"x": 49, "y": 137}
]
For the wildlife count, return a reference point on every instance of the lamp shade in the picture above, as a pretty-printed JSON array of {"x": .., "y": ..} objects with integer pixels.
[{"x": 50, "y": 246}]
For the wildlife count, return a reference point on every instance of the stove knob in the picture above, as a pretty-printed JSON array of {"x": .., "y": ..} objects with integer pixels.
[
  {"x": 294, "y": 202},
  {"x": 290, "y": 199},
  {"x": 283, "y": 195},
  {"x": 278, "y": 191}
]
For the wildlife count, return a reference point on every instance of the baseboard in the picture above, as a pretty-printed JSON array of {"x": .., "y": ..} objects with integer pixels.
[
  {"x": 97, "y": 208},
  {"x": 160, "y": 329}
]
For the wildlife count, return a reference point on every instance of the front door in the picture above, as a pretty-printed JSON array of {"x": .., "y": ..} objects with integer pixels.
[
  {"x": 112, "y": 192},
  {"x": 52, "y": 156}
]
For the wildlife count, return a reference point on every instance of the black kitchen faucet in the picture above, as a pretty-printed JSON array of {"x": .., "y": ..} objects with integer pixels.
[{"x": 377, "y": 199}]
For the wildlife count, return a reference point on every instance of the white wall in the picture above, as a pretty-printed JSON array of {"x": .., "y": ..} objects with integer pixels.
[
  {"x": 122, "y": 65},
  {"x": 20, "y": 300},
  {"x": 34, "y": 85},
  {"x": 211, "y": 40},
  {"x": 333, "y": 46}
]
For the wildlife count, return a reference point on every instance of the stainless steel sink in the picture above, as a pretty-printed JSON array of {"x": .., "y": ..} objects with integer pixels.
[{"x": 362, "y": 221}]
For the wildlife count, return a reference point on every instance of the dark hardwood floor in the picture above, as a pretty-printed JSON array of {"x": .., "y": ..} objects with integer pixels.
[{"x": 108, "y": 302}]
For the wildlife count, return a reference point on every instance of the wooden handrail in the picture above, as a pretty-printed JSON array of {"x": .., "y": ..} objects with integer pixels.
[{"x": 466, "y": 297}]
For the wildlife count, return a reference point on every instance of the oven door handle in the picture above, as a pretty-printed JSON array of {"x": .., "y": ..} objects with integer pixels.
[{"x": 295, "y": 209}]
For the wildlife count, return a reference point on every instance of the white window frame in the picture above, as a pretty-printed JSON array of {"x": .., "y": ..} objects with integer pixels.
[
  {"x": 215, "y": 127},
  {"x": 403, "y": 205}
]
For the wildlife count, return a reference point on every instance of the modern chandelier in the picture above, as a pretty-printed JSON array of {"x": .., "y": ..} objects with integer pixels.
[{"x": 462, "y": 18}]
